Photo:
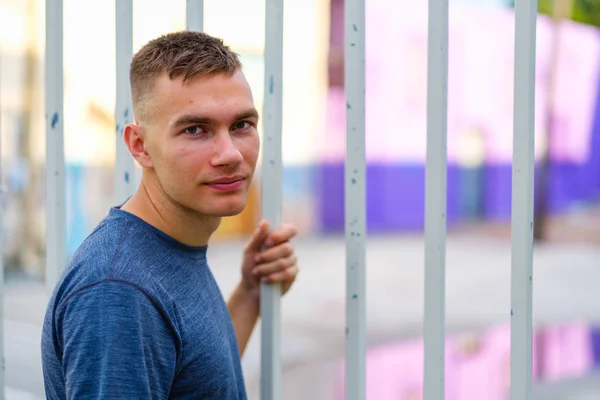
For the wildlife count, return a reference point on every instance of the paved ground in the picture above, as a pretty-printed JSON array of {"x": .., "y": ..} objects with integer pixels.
[{"x": 478, "y": 295}]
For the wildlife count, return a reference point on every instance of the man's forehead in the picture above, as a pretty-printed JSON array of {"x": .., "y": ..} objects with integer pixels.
[
  {"x": 210, "y": 98},
  {"x": 207, "y": 85}
]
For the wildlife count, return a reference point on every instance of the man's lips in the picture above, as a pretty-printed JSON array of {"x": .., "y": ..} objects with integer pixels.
[
  {"x": 227, "y": 184},
  {"x": 226, "y": 179}
]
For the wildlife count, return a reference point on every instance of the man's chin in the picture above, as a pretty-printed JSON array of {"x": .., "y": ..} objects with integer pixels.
[
  {"x": 230, "y": 211},
  {"x": 222, "y": 206}
]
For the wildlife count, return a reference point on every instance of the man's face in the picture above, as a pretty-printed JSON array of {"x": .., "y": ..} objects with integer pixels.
[{"x": 203, "y": 142}]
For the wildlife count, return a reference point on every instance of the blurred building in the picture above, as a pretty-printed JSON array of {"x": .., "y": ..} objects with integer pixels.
[
  {"x": 480, "y": 115},
  {"x": 89, "y": 59},
  {"x": 479, "y": 110}
]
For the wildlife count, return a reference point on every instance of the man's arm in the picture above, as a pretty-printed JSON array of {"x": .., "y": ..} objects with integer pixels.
[
  {"x": 244, "y": 307},
  {"x": 115, "y": 344},
  {"x": 268, "y": 258}
]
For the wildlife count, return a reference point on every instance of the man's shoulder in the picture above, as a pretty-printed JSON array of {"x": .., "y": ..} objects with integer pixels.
[
  {"x": 89, "y": 295},
  {"x": 112, "y": 252},
  {"x": 92, "y": 260}
]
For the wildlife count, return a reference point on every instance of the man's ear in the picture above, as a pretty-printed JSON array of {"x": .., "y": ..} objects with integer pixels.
[{"x": 135, "y": 140}]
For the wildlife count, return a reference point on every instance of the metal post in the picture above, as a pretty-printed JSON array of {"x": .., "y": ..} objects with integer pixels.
[
  {"x": 2, "y": 191},
  {"x": 194, "y": 15},
  {"x": 522, "y": 199},
  {"x": 435, "y": 201},
  {"x": 56, "y": 220},
  {"x": 124, "y": 168},
  {"x": 272, "y": 182},
  {"x": 355, "y": 199}
]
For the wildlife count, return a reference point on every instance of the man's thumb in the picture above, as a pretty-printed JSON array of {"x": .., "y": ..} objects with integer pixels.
[{"x": 258, "y": 237}]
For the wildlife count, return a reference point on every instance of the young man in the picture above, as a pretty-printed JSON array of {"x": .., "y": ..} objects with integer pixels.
[{"x": 137, "y": 314}]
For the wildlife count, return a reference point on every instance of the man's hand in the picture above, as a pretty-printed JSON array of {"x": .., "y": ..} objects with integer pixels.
[{"x": 270, "y": 258}]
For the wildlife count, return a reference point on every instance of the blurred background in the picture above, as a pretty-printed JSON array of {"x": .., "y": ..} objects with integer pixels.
[{"x": 567, "y": 222}]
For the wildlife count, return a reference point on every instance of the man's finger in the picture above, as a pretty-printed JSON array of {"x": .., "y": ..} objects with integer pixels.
[
  {"x": 274, "y": 266},
  {"x": 282, "y": 250},
  {"x": 284, "y": 233},
  {"x": 288, "y": 275},
  {"x": 258, "y": 237}
]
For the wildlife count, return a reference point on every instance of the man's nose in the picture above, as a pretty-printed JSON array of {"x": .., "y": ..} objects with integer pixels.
[{"x": 225, "y": 151}]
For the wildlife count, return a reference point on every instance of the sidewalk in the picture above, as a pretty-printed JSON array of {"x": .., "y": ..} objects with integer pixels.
[{"x": 477, "y": 291}]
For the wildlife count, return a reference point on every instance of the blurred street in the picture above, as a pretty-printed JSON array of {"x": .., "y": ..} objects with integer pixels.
[
  {"x": 46, "y": 72},
  {"x": 478, "y": 296}
]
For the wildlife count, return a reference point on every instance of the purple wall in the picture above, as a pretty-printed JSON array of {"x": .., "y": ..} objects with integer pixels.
[{"x": 395, "y": 190}]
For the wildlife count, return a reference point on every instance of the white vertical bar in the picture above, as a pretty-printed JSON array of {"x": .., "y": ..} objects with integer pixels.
[
  {"x": 435, "y": 201},
  {"x": 522, "y": 199},
  {"x": 56, "y": 220},
  {"x": 2, "y": 191},
  {"x": 355, "y": 198},
  {"x": 194, "y": 15},
  {"x": 124, "y": 168},
  {"x": 272, "y": 182}
]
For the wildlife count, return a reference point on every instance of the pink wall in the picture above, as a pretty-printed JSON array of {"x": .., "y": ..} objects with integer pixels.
[
  {"x": 480, "y": 84},
  {"x": 477, "y": 367}
]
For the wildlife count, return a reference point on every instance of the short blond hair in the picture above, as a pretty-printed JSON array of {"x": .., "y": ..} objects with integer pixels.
[{"x": 184, "y": 54}]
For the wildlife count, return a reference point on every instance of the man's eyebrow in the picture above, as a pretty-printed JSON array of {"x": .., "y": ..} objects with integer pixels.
[
  {"x": 251, "y": 113},
  {"x": 189, "y": 119},
  {"x": 194, "y": 119}
]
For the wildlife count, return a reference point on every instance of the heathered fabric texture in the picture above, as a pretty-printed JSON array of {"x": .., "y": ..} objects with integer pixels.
[{"x": 138, "y": 315}]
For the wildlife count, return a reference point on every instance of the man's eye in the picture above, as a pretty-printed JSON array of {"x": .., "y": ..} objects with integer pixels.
[
  {"x": 193, "y": 130},
  {"x": 241, "y": 125}
]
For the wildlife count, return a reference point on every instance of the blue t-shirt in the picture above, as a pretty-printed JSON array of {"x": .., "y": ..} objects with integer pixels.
[{"x": 138, "y": 315}]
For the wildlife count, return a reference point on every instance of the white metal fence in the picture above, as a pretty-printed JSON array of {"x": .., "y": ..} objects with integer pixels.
[
  {"x": 2, "y": 359},
  {"x": 355, "y": 182}
]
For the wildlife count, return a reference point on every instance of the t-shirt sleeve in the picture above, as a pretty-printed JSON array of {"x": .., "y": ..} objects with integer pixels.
[{"x": 115, "y": 344}]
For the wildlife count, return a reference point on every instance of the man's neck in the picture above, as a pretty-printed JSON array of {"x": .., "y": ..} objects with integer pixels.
[{"x": 185, "y": 226}]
